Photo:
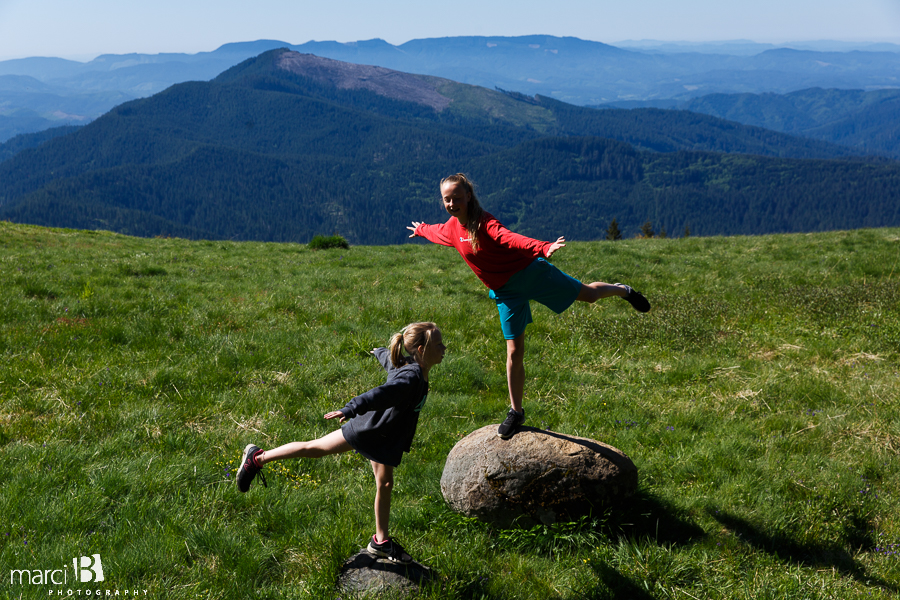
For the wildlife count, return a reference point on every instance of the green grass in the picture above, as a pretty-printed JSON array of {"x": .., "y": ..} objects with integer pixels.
[{"x": 759, "y": 400}]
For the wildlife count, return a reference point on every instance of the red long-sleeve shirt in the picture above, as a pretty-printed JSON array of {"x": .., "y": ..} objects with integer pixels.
[{"x": 501, "y": 253}]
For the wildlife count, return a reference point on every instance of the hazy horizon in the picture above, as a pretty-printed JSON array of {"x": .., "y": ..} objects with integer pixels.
[
  {"x": 626, "y": 44},
  {"x": 82, "y": 31}
]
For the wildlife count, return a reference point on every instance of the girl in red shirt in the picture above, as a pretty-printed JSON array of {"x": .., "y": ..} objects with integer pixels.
[{"x": 514, "y": 268}]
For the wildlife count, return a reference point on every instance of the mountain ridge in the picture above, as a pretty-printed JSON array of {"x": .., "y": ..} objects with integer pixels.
[
  {"x": 266, "y": 153},
  {"x": 576, "y": 71}
]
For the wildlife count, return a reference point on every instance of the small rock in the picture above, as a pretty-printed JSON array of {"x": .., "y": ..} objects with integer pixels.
[
  {"x": 534, "y": 477},
  {"x": 363, "y": 574}
]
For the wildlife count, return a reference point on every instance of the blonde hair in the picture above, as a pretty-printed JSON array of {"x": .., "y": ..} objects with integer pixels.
[
  {"x": 474, "y": 210},
  {"x": 410, "y": 338}
]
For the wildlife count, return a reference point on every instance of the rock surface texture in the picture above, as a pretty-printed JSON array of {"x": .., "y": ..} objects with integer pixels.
[
  {"x": 534, "y": 477},
  {"x": 364, "y": 575}
]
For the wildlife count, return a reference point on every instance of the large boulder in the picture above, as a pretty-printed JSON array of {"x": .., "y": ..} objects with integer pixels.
[{"x": 534, "y": 477}]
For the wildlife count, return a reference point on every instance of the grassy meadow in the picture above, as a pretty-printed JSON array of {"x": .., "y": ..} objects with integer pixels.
[{"x": 759, "y": 401}]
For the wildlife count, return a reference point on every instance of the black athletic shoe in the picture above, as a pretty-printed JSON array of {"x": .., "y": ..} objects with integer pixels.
[
  {"x": 389, "y": 549},
  {"x": 635, "y": 299},
  {"x": 249, "y": 469},
  {"x": 511, "y": 424}
]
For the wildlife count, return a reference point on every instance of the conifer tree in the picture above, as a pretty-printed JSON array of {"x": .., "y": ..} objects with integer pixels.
[
  {"x": 647, "y": 230},
  {"x": 612, "y": 232}
]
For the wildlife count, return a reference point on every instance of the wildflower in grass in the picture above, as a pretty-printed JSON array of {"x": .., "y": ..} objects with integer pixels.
[{"x": 298, "y": 479}]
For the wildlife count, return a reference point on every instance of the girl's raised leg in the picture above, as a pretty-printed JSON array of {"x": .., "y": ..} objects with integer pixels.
[
  {"x": 332, "y": 443},
  {"x": 591, "y": 292}
]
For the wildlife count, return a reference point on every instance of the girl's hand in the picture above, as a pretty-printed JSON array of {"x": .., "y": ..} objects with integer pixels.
[
  {"x": 415, "y": 225},
  {"x": 335, "y": 414},
  {"x": 560, "y": 243}
]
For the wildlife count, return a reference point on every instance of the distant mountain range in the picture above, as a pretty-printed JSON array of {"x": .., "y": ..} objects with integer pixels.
[
  {"x": 37, "y": 93},
  {"x": 750, "y": 48},
  {"x": 286, "y": 145}
]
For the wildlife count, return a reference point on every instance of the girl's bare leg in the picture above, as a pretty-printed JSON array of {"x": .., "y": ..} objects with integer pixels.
[
  {"x": 515, "y": 348},
  {"x": 591, "y": 292},
  {"x": 332, "y": 443},
  {"x": 515, "y": 371},
  {"x": 384, "y": 483}
]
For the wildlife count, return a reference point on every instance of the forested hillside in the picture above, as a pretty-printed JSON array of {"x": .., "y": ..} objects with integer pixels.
[
  {"x": 266, "y": 153},
  {"x": 32, "y": 140},
  {"x": 866, "y": 121}
]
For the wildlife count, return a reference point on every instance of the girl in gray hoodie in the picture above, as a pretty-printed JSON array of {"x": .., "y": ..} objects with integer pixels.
[{"x": 379, "y": 424}]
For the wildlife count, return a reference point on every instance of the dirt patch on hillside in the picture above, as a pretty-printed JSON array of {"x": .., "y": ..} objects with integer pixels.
[{"x": 349, "y": 76}]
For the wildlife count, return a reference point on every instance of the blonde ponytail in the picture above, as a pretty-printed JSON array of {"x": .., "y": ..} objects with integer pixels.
[
  {"x": 396, "y": 349},
  {"x": 410, "y": 338}
]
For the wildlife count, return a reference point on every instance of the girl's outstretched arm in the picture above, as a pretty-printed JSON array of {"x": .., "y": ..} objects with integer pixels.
[
  {"x": 432, "y": 233},
  {"x": 560, "y": 243},
  {"x": 415, "y": 225}
]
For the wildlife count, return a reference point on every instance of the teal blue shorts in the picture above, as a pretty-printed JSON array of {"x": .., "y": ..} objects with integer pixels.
[{"x": 539, "y": 281}]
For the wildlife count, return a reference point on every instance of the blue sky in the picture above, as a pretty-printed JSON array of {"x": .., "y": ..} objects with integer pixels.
[{"x": 85, "y": 28}]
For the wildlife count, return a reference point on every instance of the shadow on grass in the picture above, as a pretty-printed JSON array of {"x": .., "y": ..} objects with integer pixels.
[
  {"x": 818, "y": 556},
  {"x": 644, "y": 516},
  {"x": 618, "y": 586},
  {"x": 615, "y": 586},
  {"x": 641, "y": 517}
]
